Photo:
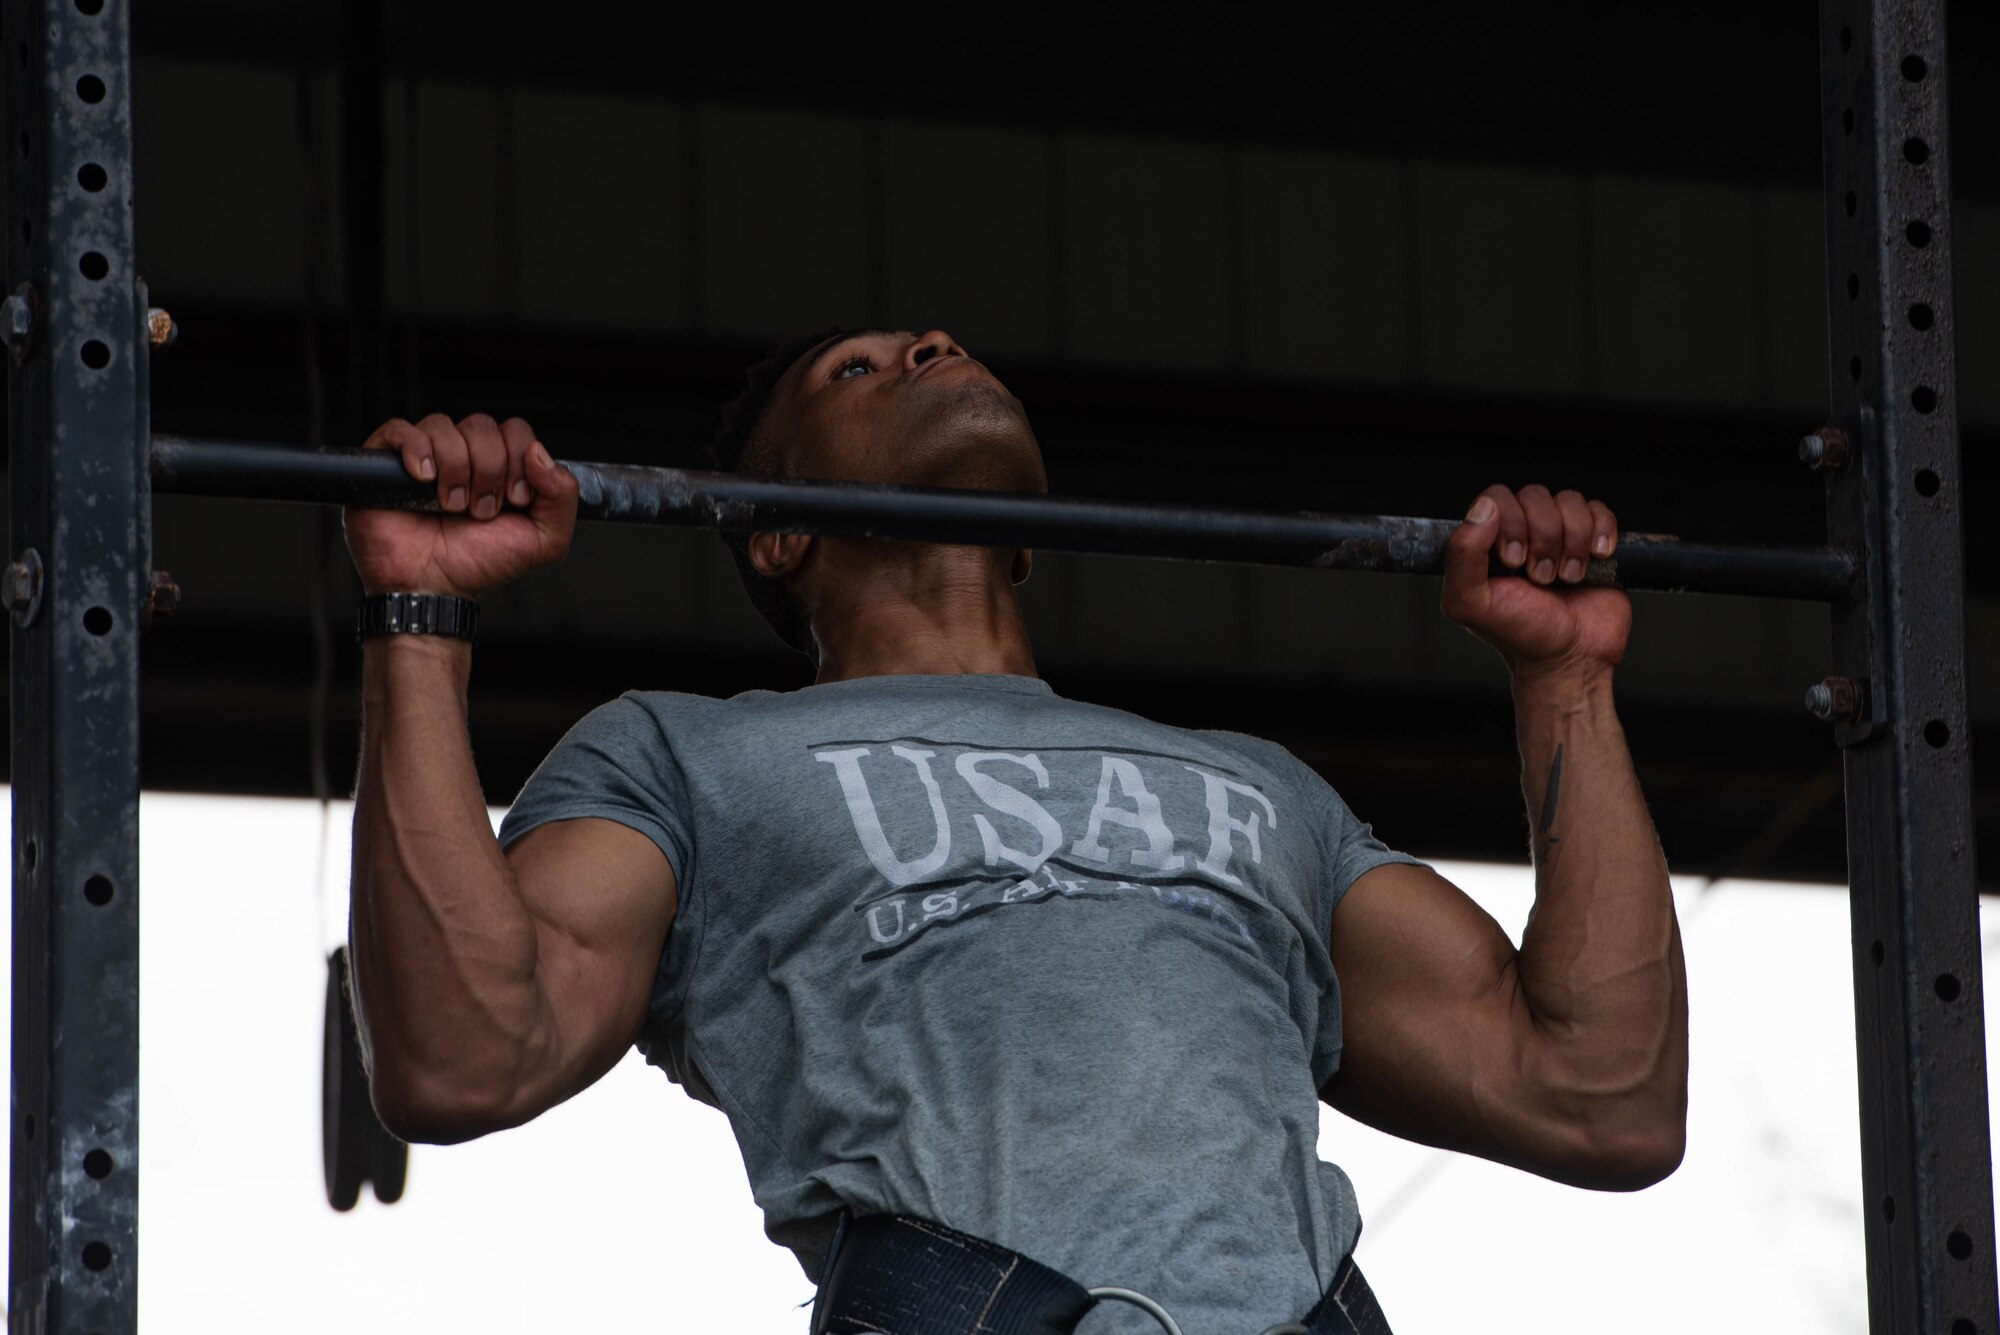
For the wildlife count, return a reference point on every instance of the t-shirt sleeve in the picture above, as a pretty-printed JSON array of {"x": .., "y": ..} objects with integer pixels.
[
  {"x": 615, "y": 764},
  {"x": 1351, "y": 850}
]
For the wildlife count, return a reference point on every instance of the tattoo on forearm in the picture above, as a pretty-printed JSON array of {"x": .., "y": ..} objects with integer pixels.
[{"x": 1551, "y": 795}]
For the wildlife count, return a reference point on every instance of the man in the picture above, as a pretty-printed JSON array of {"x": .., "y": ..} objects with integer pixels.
[{"x": 1042, "y": 976}]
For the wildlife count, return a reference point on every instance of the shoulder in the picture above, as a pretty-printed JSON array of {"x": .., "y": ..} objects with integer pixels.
[
  {"x": 657, "y": 709},
  {"x": 1275, "y": 760}
]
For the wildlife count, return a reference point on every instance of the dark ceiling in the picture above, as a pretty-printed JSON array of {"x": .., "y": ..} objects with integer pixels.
[{"x": 245, "y": 693}]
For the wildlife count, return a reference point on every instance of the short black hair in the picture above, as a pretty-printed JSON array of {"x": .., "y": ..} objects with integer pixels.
[{"x": 738, "y": 447}]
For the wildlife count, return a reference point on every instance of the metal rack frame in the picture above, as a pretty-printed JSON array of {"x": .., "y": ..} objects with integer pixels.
[
  {"x": 80, "y": 558},
  {"x": 1919, "y": 1023},
  {"x": 78, "y": 587}
]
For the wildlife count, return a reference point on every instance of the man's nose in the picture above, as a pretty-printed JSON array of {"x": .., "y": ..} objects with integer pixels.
[{"x": 931, "y": 343}]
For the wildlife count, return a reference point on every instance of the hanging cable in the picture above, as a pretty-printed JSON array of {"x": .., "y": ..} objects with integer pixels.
[{"x": 313, "y": 208}]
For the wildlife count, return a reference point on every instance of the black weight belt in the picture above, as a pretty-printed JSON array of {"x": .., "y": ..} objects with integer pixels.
[{"x": 893, "y": 1275}]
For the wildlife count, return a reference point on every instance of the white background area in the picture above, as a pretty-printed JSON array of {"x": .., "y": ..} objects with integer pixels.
[{"x": 627, "y": 1208}]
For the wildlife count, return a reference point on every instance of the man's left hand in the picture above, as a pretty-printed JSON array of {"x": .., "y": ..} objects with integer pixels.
[{"x": 1546, "y": 620}]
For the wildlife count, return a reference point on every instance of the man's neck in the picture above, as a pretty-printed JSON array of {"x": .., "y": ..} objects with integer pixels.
[{"x": 924, "y": 610}]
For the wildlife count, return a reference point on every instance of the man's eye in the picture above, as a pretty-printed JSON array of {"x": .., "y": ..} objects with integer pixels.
[{"x": 846, "y": 370}]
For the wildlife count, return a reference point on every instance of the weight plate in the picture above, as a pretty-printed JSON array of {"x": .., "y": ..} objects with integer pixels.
[{"x": 343, "y": 1152}]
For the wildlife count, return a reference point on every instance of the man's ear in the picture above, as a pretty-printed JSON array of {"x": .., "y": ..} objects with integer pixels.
[
  {"x": 777, "y": 555},
  {"x": 1024, "y": 565}
]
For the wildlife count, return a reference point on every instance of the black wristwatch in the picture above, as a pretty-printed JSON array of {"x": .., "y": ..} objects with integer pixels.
[{"x": 416, "y": 614}]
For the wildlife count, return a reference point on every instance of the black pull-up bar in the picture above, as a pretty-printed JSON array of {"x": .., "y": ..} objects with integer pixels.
[{"x": 633, "y": 494}]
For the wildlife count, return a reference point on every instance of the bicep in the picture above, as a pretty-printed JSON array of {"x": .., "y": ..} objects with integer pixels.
[
  {"x": 1434, "y": 1025},
  {"x": 603, "y": 897}
]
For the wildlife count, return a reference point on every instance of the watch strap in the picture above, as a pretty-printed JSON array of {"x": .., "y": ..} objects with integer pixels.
[{"x": 416, "y": 614}]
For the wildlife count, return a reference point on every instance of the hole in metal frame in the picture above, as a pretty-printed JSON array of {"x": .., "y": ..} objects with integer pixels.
[
  {"x": 1927, "y": 482},
  {"x": 34, "y": 853},
  {"x": 1850, "y": 203},
  {"x": 1854, "y": 368},
  {"x": 1847, "y": 121},
  {"x": 94, "y": 6},
  {"x": 93, "y": 266},
  {"x": 1916, "y": 151},
  {"x": 1946, "y": 987},
  {"x": 1875, "y": 954},
  {"x": 98, "y": 891},
  {"x": 1918, "y": 233},
  {"x": 97, "y": 621},
  {"x": 1922, "y": 316},
  {"x": 1846, "y": 37},
  {"x": 98, "y": 1164},
  {"x": 96, "y": 1256},
  {"x": 1914, "y": 68},
  {"x": 1853, "y": 286},
  {"x": 95, "y": 354},
  {"x": 1937, "y": 732},
  {"x": 1924, "y": 399},
  {"x": 90, "y": 89},
  {"x": 1889, "y": 1208},
  {"x": 1959, "y": 1244},
  {"x": 92, "y": 177}
]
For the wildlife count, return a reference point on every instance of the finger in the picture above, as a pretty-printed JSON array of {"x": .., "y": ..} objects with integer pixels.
[
  {"x": 1512, "y": 542},
  {"x": 409, "y": 440},
  {"x": 519, "y": 438},
  {"x": 489, "y": 463},
  {"x": 1579, "y": 526},
  {"x": 454, "y": 462},
  {"x": 1544, "y": 533},
  {"x": 1604, "y": 539},
  {"x": 1468, "y": 589},
  {"x": 554, "y": 508}
]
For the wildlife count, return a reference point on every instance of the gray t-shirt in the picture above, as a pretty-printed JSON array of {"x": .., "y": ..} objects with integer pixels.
[{"x": 1042, "y": 971}]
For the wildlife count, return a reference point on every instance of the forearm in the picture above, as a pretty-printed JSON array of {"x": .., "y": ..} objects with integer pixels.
[
  {"x": 442, "y": 948},
  {"x": 1600, "y": 964}
]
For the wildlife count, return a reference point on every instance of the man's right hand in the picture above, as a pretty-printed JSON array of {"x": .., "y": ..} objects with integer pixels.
[{"x": 477, "y": 543}]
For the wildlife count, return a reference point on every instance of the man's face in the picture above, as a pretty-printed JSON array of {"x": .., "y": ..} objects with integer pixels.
[{"x": 905, "y": 409}]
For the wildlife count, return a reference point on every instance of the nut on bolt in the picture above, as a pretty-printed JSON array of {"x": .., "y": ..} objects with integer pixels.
[
  {"x": 162, "y": 597},
  {"x": 1825, "y": 450},
  {"x": 17, "y": 321},
  {"x": 161, "y": 331},
  {"x": 21, "y": 587},
  {"x": 1836, "y": 700}
]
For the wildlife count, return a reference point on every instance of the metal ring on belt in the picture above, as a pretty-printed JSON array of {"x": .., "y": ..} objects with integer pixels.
[
  {"x": 1140, "y": 1301},
  {"x": 1166, "y": 1320}
]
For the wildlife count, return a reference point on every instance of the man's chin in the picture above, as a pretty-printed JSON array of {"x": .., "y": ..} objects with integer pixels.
[{"x": 978, "y": 439}]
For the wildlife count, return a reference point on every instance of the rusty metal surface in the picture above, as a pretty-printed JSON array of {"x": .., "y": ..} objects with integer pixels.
[
  {"x": 1926, "y": 1167},
  {"x": 628, "y": 493},
  {"x": 77, "y": 438}
]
